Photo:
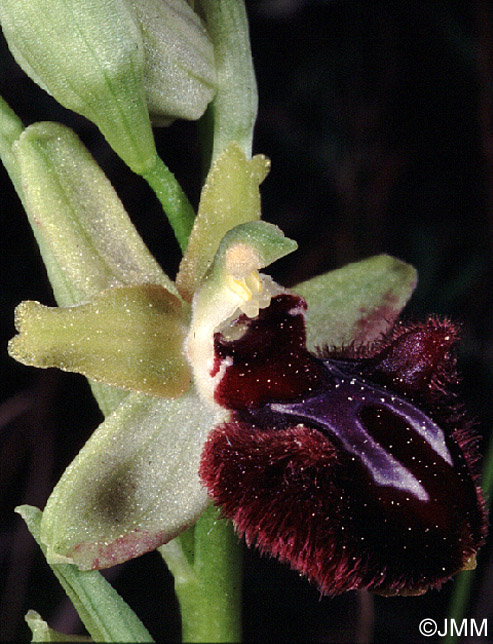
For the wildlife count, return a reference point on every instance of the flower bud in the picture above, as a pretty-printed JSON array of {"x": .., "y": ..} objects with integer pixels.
[
  {"x": 89, "y": 56},
  {"x": 179, "y": 75}
]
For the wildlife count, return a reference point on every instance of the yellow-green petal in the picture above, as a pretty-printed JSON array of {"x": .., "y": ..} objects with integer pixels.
[
  {"x": 134, "y": 485},
  {"x": 89, "y": 55},
  {"x": 356, "y": 303},
  {"x": 129, "y": 337},
  {"x": 230, "y": 197}
]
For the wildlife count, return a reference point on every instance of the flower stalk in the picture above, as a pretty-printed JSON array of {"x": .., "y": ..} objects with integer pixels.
[
  {"x": 174, "y": 201},
  {"x": 208, "y": 581}
]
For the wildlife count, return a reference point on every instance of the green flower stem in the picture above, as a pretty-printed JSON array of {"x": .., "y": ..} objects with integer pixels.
[
  {"x": 208, "y": 579},
  {"x": 178, "y": 209},
  {"x": 234, "y": 107},
  {"x": 462, "y": 589},
  {"x": 459, "y": 602}
]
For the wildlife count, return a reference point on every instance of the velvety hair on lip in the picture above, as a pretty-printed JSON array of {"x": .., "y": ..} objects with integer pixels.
[{"x": 356, "y": 466}]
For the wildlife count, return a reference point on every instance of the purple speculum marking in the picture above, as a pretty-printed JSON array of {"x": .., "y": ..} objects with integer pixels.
[
  {"x": 353, "y": 466},
  {"x": 337, "y": 412}
]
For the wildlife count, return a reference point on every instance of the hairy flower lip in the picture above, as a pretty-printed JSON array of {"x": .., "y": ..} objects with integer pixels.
[{"x": 360, "y": 476}]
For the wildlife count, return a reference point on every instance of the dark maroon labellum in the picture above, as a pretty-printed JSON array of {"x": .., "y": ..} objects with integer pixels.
[{"x": 356, "y": 467}]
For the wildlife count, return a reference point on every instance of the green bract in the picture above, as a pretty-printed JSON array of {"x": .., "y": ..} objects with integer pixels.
[
  {"x": 103, "y": 612},
  {"x": 10, "y": 130},
  {"x": 75, "y": 210},
  {"x": 90, "y": 56},
  {"x": 41, "y": 632}
]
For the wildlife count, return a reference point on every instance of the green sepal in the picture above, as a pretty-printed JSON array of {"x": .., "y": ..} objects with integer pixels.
[
  {"x": 133, "y": 486},
  {"x": 41, "y": 632},
  {"x": 356, "y": 303},
  {"x": 230, "y": 197},
  {"x": 103, "y": 612},
  {"x": 76, "y": 212},
  {"x": 129, "y": 337},
  {"x": 90, "y": 57},
  {"x": 179, "y": 74},
  {"x": 11, "y": 129}
]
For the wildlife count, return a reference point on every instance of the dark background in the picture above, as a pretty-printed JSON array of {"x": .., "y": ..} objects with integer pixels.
[{"x": 378, "y": 119}]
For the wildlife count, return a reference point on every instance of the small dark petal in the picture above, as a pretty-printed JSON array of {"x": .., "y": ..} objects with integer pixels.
[{"x": 269, "y": 361}]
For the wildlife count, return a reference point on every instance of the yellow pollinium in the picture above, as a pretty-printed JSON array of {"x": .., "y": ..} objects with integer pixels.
[
  {"x": 470, "y": 563},
  {"x": 246, "y": 287},
  {"x": 253, "y": 290},
  {"x": 244, "y": 280}
]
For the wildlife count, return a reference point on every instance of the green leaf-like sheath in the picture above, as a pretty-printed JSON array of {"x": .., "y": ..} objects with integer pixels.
[
  {"x": 103, "y": 612},
  {"x": 356, "y": 303}
]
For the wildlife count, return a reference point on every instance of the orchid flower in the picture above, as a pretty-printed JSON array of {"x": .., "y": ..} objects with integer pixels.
[
  {"x": 338, "y": 461},
  {"x": 326, "y": 430}
]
